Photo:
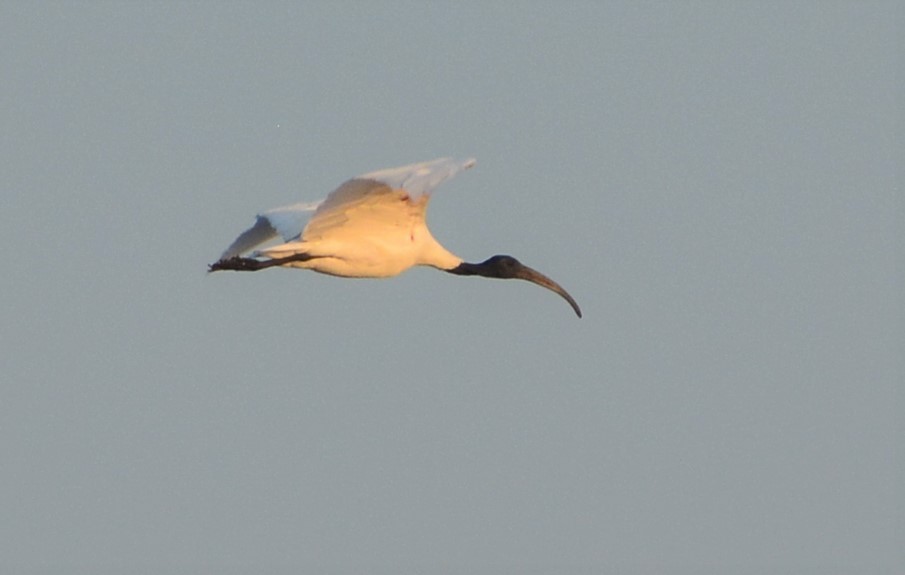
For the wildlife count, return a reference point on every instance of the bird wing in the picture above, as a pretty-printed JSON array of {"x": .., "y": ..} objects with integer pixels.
[
  {"x": 382, "y": 199},
  {"x": 287, "y": 221},
  {"x": 367, "y": 205}
]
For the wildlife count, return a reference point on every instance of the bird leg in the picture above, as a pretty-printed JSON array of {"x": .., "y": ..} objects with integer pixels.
[{"x": 240, "y": 264}]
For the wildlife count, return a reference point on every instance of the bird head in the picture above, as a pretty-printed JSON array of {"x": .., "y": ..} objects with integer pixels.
[
  {"x": 503, "y": 267},
  {"x": 507, "y": 267}
]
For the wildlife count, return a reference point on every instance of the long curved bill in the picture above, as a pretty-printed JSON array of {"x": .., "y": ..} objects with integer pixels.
[{"x": 534, "y": 276}]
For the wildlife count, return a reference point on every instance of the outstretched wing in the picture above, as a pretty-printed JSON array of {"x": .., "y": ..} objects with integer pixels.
[
  {"x": 381, "y": 199},
  {"x": 287, "y": 222},
  {"x": 373, "y": 203}
]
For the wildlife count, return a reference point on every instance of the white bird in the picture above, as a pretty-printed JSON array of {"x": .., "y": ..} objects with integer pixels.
[{"x": 372, "y": 226}]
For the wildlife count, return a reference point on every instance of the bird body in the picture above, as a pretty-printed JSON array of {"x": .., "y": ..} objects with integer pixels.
[
  {"x": 377, "y": 232},
  {"x": 372, "y": 226}
]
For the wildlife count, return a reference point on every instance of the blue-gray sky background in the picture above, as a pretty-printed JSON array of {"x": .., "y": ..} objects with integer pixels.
[{"x": 718, "y": 184}]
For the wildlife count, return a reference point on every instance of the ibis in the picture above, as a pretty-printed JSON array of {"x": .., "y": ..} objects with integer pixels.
[{"x": 372, "y": 226}]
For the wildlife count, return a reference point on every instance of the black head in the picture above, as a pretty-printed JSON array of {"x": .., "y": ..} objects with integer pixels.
[
  {"x": 501, "y": 267},
  {"x": 507, "y": 267}
]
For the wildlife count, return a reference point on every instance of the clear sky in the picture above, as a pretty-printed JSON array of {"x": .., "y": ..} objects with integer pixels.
[{"x": 719, "y": 185}]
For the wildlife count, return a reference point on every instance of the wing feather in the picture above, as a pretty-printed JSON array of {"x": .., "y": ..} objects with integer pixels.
[
  {"x": 420, "y": 178},
  {"x": 287, "y": 222}
]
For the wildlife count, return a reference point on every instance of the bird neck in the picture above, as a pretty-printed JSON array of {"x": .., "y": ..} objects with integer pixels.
[
  {"x": 433, "y": 254},
  {"x": 467, "y": 269}
]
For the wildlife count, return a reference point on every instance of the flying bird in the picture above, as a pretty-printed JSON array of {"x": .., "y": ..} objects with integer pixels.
[{"x": 372, "y": 226}]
